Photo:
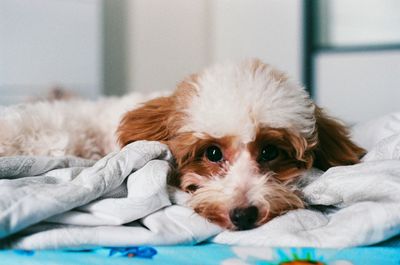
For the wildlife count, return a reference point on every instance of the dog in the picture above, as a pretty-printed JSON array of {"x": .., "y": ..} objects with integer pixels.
[{"x": 242, "y": 135}]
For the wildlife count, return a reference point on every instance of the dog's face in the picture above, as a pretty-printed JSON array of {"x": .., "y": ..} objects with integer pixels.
[{"x": 242, "y": 135}]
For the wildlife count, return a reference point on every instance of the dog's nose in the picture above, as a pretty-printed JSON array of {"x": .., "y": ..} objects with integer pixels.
[{"x": 244, "y": 218}]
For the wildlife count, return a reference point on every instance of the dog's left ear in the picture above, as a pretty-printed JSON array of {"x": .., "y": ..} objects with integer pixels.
[
  {"x": 153, "y": 121},
  {"x": 334, "y": 147},
  {"x": 159, "y": 119}
]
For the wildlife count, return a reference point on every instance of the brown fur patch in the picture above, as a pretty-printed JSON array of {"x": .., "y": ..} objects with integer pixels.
[
  {"x": 294, "y": 152},
  {"x": 189, "y": 152},
  {"x": 335, "y": 147},
  {"x": 158, "y": 119}
]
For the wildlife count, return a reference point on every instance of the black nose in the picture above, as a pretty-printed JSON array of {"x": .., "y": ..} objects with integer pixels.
[{"x": 244, "y": 218}]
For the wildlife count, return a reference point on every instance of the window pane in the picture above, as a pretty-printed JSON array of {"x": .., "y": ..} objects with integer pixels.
[{"x": 358, "y": 22}]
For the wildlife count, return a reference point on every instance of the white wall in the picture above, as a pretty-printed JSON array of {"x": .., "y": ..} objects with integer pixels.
[
  {"x": 49, "y": 42},
  {"x": 167, "y": 40},
  {"x": 140, "y": 45},
  {"x": 270, "y": 30},
  {"x": 170, "y": 39}
]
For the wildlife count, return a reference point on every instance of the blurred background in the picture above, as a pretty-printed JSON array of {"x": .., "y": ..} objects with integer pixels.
[{"x": 346, "y": 52}]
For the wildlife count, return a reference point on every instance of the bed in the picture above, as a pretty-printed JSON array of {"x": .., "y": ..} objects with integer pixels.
[{"x": 79, "y": 206}]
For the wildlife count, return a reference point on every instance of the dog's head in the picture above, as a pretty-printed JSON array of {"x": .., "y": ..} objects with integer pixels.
[{"x": 242, "y": 135}]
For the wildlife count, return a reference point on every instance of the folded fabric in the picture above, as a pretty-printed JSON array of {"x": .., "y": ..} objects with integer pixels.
[
  {"x": 69, "y": 202},
  {"x": 123, "y": 200}
]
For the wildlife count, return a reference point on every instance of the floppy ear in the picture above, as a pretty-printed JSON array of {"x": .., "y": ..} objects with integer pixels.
[
  {"x": 153, "y": 121},
  {"x": 334, "y": 145}
]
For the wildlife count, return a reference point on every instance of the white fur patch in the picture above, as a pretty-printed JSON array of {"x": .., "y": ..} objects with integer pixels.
[
  {"x": 233, "y": 99},
  {"x": 74, "y": 127},
  {"x": 241, "y": 182}
]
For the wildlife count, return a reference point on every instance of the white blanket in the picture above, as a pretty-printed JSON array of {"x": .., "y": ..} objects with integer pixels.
[{"x": 123, "y": 200}]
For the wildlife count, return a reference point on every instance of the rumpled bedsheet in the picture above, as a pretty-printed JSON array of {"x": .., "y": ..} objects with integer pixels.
[
  {"x": 123, "y": 200},
  {"x": 48, "y": 203}
]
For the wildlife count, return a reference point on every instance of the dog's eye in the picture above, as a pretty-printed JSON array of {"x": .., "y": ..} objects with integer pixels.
[
  {"x": 192, "y": 188},
  {"x": 214, "y": 154},
  {"x": 268, "y": 153}
]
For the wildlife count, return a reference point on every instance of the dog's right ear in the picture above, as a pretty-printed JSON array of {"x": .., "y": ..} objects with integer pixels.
[
  {"x": 335, "y": 148},
  {"x": 155, "y": 120}
]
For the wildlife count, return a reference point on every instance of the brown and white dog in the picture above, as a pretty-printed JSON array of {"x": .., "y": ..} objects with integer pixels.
[{"x": 242, "y": 136}]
